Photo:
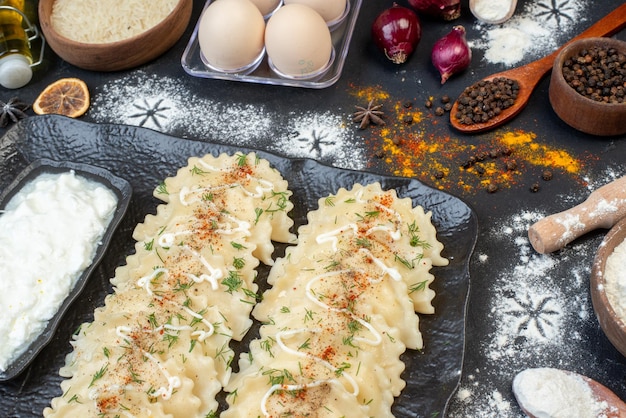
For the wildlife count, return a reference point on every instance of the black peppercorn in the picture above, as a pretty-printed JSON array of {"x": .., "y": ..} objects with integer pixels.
[
  {"x": 598, "y": 73},
  {"x": 547, "y": 175},
  {"x": 486, "y": 99}
]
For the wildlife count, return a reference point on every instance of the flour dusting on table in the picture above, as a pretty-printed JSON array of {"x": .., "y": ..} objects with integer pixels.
[
  {"x": 166, "y": 105},
  {"x": 536, "y": 30},
  {"x": 540, "y": 307}
]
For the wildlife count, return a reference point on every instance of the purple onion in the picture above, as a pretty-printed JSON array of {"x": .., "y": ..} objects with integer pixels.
[
  {"x": 397, "y": 31},
  {"x": 442, "y": 9},
  {"x": 451, "y": 54}
]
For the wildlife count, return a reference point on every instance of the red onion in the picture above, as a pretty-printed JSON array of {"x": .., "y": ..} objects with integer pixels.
[
  {"x": 397, "y": 31},
  {"x": 451, "y": 54},
  {"x": 443, "y": 9}
]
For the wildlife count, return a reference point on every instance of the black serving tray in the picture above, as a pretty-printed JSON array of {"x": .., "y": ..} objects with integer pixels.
[
  {"x": 145, "y": 157},
  {"x": 117, "y": 185}
]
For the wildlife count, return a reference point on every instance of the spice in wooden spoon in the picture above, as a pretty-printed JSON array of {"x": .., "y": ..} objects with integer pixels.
[
  {"x": 553, "y": 393},
  {"x": 474, "y": 117}
]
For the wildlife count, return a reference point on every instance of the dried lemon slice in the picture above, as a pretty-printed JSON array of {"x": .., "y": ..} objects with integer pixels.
[{"x": 67, "y": 96}]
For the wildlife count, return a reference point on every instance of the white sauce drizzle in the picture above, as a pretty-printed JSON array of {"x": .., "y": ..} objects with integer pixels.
[
  {"x": 315, "y": 383},
  {"x": 145, "y": 281},
  {"x": 332, "y": 236},
  {"x": 214, "y": 273},
  {"x": 263, "y": 187},
  {"x": 392, "y": 272},
  {"x": 223, "y": 228},
  {"x": 311, "y": 296},
  {"x": 173, "y": 382}
]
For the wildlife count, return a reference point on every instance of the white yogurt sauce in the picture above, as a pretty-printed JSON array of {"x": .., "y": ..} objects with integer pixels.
[{"x": 49, "y": 233}]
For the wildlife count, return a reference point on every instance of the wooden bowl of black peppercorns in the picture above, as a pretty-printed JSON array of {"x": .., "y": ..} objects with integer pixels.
[{"x": 588, "y": 86}]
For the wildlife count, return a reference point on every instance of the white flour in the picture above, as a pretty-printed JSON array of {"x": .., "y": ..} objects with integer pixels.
[
  {"x": 615, "y": 279},
  {"x": 540, "y": 305},
  {"x": 552, "y": 393},
  {"x": 166, "y": 105},
  {"x": 491, "y": 10},
  {"x": 533, "y": 32}
]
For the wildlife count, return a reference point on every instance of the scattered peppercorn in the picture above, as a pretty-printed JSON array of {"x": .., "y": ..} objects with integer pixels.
[
  {"x": 439, "y": 175},
  {"x": 447, "y": 107},
  {"x": 428, "y": 104},
  {"x": 486, "y": 99},
  {"x": 479, "y": 170},
  {"x": 492, "y": 153},
  {"x": 511, "y": 165},
  {"x": 445, "y": 99},
  {"x": 408, "y": 105},
  {"x": 534, "y": 188},
  {"x": 598, "y": 73},
  {"x": 396, "y": 140},
  {"x": 547, "y": 175},
  {"x": 492, "y": 188},
  {"x": 408, "y": 119},
  {"x": 439, "y": 111},
  {"x": 380, "y": 154}
]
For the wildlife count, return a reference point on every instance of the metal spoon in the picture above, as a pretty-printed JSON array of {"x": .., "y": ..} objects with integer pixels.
[
  {"x": 614, "y": 407},
  {"x": 476, "y": 11},
  {"x": 529, "y": 75}
]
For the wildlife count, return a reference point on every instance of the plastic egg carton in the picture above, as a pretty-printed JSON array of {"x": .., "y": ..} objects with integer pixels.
[{"x": 341, "y": 35}]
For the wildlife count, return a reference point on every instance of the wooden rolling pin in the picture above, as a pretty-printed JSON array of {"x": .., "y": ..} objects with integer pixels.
[{"x": 602, "y": 209}]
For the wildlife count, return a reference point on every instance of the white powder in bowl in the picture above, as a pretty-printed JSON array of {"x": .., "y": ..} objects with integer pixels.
[
  {"x": 490, "y": 10},
  {"x": 615, "y": 280},
  {"x": 553, "y": 393}
]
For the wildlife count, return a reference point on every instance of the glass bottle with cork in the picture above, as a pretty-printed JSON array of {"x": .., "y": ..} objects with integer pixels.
[{"x": 16, "y": 34}]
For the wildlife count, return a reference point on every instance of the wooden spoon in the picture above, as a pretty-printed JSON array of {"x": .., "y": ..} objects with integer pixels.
[
  {"x": 529, "y": 75},
  {"x": 602, "y": 209},
  {"x": 527, "y": 394},
  {"x": 476, "y": 11}
]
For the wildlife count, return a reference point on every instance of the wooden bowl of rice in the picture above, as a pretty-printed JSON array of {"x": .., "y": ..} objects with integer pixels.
[{"x": 112, "y": 35}]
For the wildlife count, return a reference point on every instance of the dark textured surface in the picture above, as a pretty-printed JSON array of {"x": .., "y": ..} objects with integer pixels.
[
  {"x": 583, "y": 348},
  {"x": 145, "y": 158}
]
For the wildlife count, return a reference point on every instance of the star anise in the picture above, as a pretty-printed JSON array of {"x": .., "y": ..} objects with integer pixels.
[
  {"x": 368, "y": 115},
  {"x": 13, "y": 110}
]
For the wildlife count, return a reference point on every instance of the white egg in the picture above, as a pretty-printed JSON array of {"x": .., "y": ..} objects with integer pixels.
[
  {"x": 330, "y": 10},
  {"x": 231, "y": 34},
  {"x": 298, "y": 41},
  {"x": 266, "y": 6}
]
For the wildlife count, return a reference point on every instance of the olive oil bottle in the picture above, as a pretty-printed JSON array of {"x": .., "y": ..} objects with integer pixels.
[{"x": 15, "y": 54}]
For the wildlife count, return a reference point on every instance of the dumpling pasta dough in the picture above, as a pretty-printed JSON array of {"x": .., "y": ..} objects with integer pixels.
[
  {"x": 160, "y": 344},
  {"x": 342, "y": 309}
]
